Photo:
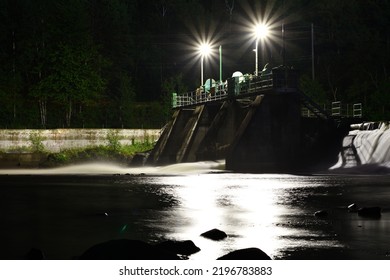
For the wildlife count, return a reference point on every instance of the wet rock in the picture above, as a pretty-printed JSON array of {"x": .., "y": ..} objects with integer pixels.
[
  {"x": 214, "y": 234},
  {"x": 186, "y": 247},
  {"x": 125, "y": 249},
  {"x": 101, "y": 214},
  {"x": 352, "y": 207},
  {"x": 321, "y": 214},
  {"x": 35, "y": 254},
  {"x": 371, "y": 212},
  {"x": 246, "y": 254},
  {"x": 139, "y": 159}
]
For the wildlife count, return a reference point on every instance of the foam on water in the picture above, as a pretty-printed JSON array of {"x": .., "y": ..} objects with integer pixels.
[{"x": 200, "y": 167}]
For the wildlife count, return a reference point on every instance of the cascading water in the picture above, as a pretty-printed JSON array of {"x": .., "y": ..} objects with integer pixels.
[{"x": 365, "y": 148}]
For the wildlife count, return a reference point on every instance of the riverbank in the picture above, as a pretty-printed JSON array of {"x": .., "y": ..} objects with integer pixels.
[
  {"x": 122, "y": 155},
  {"x": 57, "y": 140},
  {"x": 42, "y": 148}
]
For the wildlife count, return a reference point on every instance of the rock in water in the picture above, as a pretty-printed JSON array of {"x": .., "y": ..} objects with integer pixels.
[
  {"x": 372, "y": 212},
  {"x": 353, "y": 207},
  {"x": 124, "y": 249},
  {"x": 186, "y": 247},
  {"x": 321, "y": 214},
  {"x": 214, "y": 234},
  {"x": 139, "y": 159},
  {"x": 246, "y": 254}
]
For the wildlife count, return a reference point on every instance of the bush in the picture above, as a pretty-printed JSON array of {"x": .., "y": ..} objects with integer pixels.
[
  {"x": 36, "y": 140},
  {"x": 114, "y": 153},
  {"x": 113, "y": 140}
]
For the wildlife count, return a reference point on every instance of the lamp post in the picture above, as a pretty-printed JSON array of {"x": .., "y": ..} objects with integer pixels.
[
  {"x": 261, "y": 32},
  {"x": 204, "y": 50}
]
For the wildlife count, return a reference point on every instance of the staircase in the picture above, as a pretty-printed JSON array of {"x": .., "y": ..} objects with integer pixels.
[
  {"x": 349, "y": 154},
  {"x": 313, "y": 107}
]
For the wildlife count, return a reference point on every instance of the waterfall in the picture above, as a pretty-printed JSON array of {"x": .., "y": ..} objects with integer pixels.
[{"x": 363, "y": 148}]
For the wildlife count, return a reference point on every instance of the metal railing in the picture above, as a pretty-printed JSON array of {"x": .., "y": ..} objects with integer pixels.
[
  {"x": 199, "y": 96},
  {"x": 255, "y": 84},
  {"x": 336, "y": 109},
  {"x": 248, "y": 85},
  {"x": 233, "y": 87},
  {"x": 312, "y": 113},
  {"x": 346, "y": 110},
  {"x": 357, "y": 110}
]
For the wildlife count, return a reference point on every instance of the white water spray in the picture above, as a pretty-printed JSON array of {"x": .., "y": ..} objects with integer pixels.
[{"x": 200, "y": 167}]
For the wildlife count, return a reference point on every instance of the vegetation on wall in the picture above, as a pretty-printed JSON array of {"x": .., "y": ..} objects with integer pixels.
[
  {"x": 120, "y": 154},
  {"x": 110, "y": 148}
]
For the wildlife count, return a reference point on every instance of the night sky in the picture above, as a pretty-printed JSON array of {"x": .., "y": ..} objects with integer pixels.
[{"x": 114, "y": 63}]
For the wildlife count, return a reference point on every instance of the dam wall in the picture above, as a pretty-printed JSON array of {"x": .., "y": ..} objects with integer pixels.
[
  {"x": 268, "y": 138},
  {"x": 255, "y": 125},
  {"x": 261, "y": 134},
  {"x": 56, "y": 140}
]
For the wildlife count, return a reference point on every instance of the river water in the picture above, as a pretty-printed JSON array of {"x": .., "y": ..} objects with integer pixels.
[{"x": 65, "y": 211}]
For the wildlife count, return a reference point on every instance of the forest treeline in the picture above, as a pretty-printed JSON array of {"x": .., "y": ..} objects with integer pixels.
[{"x": 115, "y": 63}]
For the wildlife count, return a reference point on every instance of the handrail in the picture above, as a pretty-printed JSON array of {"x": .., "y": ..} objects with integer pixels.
[
  {"x": 313, "y": 107},
  {"x": 248, "y": 85},
  {"x": 357, "y": 110},
  {"x": 223, "y": 91}
]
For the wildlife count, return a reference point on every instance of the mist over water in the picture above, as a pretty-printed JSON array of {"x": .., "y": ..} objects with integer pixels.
[{"x": 111, "y": 168}]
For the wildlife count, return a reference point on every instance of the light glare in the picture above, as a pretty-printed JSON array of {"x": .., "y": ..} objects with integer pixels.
[
  {"x": 204, "y": 49},
  {"x": 261, "y": 31}
]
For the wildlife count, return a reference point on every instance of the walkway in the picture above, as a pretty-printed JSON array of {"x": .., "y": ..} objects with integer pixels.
[{"x": 279, "y": 81}]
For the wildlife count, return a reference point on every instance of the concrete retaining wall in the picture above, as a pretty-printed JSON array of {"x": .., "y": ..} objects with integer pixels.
[{"x": 56, "y": 140}]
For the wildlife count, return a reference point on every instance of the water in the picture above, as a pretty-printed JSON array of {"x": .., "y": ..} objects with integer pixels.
[
  {"x": 65, "y": 211},
  {"x": 367, "y": 148}
]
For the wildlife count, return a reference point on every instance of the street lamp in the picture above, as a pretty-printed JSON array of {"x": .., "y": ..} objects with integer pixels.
[
  {"x": 204, "y": 50},
  {"x": 261, "y": 32}
]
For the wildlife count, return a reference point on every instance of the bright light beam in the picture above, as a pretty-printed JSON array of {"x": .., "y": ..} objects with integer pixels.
[
  {"x": 262, "y": 21},
  {"x": 261, "y": 32},
  {"x": 205, "y": 51}
]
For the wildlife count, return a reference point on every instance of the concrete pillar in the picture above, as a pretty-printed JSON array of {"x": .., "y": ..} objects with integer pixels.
[{"x": 268, "y": 139}]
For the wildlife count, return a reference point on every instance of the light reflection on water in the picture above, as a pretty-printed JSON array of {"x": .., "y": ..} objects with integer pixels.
[
  {"x": 253, "y": 210},
  {"x": 61, "y": 214}
]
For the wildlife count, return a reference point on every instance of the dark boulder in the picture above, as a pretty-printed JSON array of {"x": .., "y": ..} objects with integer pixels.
[
  {"x": 321, "y": 214},
  {"x": 214, "y": 234},
  {"x": 371, "y": 212},
  {"x": 246, "y": 254},
  {"x": 139, "y": 159},
  {"x": 124, "y": 249},
  {"x": 353, "y": 207},
  {"x": 186, "y": 247}
]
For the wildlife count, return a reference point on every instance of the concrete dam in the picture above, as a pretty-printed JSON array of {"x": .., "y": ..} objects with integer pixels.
[{"x": 255, "y": 123}]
